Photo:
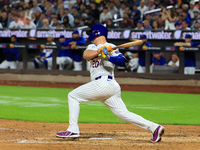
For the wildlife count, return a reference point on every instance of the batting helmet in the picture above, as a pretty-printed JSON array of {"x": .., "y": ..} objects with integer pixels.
[{"x": 96, "y": 31}]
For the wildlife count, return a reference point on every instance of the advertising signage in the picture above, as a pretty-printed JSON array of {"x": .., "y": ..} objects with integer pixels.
[{"x": 112, "y": 34}]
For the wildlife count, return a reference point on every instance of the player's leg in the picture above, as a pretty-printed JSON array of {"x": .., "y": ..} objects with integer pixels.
[
  {"x": 141, "y": 69},
  {"x": 77, "y": 65},
  {"x": 48, "y": 62},
  {"x": 37, "y": 63},
  {"x": 117, "y": 106},
  {"x": 4, "y": 64},
  {"x": 68, "y": 62},
  {"x": 87, "y": 92},
  {"x": 13, "y": 64}
]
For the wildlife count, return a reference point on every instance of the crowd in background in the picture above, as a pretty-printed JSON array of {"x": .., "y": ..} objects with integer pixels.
[{"x": 65, "y": 14}]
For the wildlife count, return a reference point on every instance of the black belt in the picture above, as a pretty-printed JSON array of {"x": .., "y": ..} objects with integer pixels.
[{"x": 99, "y": 77}]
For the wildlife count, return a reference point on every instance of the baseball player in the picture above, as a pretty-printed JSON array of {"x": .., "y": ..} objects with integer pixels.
[
  {"x": 77, "y": 54},
  {"x": 190, "y": 60},
  {"x": 11, "y": 55},
  {"x": 64, "y": 55},
  {"x": 103, "y": 86},
  {"x": 141, "y": 67},
  {"x": 46, "y": 56},
  {"x": 158, "y": 59}
]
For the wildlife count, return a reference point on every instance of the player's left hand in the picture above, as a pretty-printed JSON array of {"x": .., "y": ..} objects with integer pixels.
[{"x": 105, "y": 53}]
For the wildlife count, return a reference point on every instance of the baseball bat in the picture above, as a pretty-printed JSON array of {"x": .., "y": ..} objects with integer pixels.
[{"x": 129, "y": 44}]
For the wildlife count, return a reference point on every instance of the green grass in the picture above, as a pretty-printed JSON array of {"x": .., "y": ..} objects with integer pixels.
[{"x": 50, "y": 105}]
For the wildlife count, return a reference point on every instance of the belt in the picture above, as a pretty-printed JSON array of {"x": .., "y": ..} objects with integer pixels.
[{"x": 99, "y": 77}]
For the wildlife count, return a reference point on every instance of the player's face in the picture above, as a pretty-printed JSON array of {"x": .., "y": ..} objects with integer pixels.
[
  {"x": 13, "y": 39},
  {"x": 75, "y": 36},
  {"x": 174, "y": 58},
  {"x": 61, "y": 40},
  {"x": 188, "y": 40},
  {"x": 49, "y": 39}
]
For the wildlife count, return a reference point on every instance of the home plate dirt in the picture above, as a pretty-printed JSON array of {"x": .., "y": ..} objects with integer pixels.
[{"x": 21, "y": 135}]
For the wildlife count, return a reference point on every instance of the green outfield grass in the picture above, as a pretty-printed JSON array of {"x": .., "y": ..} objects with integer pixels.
[{"x": 50, "y": 105}]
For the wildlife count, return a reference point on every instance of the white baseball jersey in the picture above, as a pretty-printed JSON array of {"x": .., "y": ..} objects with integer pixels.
[
  {"x": 99, "y": 66},
  {"x": 105, "y": 89}
]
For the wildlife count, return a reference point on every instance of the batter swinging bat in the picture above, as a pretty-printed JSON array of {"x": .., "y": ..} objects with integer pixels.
[{"x": 129, "y": 44}]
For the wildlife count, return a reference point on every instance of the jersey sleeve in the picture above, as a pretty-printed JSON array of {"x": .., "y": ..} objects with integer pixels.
[{"x": 91, "y": 47}]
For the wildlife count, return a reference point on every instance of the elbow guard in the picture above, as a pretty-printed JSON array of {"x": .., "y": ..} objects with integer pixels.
[{"x": 119, "y": 60}]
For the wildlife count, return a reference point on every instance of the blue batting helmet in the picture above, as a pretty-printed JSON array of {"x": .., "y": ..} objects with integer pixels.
[
  {"x": 143, "y": 36},
  {"x": 96, "y": 31}
]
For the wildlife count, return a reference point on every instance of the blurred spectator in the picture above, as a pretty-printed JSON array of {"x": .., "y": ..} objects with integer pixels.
[
  {"x": 10, "y": 19},
  {"x": 157, "y": 4},
  {"x": 178, "y": 24},
  {"x": 90, "y": 21},
  {"x": 110, "y": 24},
  {"x": 117, "y": 4},
  {"x": 185, "y": 25},
  {"x": 142, "y": 8},
  {"x": 28, "y": 12},
  {"x": 75, "y": 12},
  {"x": 70, "y": 17},
  {"x": 54, "y": 22},
  {"x": 66, "y": 22},
  {"x": 105, "y": 15},
  {"x": 196, "y": 25},
  {"x": 29, "y": 24},
  {"x": 166, "y": 3},
  {"x": 45, "y": 24},
  {"x": 186, "y": 17},
  {"x": 94, "y": 11},
  {"x": 192, "y": 3},
  {"x": 122, "y": 9},
  {"x": 59, "y": 25},
  {"x": 35, "y": 7},
  {"x": 45, "y": 58},
  {"x": 174, "y": 62},
  {"x": 16, "y": 24},
  {"x": 82, "y": 9},
  {"x": 61, "y": 14},
  {"x": 22, "y": 17},
  {"x": 139, "y": 25},
  {"x": 141, "y": 54},
  {"x": 149, "y": 18},
  {"x": 55, "y": 8},
  {"x": 112, "y": 8},
  {"x": 39, "y": 20},
  {"x": 128, "y": 11},
  {"x": 150, "y": 5},
  {"x": 11, "y": 55},
  {"x": 64, "y": 55},
  {"x": 170, "y": 17},
  {"x": 158, "y": 59},
  {"x": 126, "y": 22},
  {"x": 147, "y": 25},
  {"x": 190, "y": 60},
  {"x": 196, "y": 16},
  {"x": 132, "y": 61},
  {"x": 135, "y": 14},
  {"x": 155, "y": 25},
  {"x": 4, "y": 20},
  {"x": 77, "y": 54},
  {"x": 2, "y": 3}
]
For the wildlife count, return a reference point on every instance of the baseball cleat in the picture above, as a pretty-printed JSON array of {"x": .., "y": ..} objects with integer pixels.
[
  {"x": 157, "y": 134},
  {"x": 66, "y": 134}
]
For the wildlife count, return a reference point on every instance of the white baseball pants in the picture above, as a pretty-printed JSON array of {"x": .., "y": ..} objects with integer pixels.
[
  {"x": 12, "y": 64},
  {"x": 108, "y": 92}
]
